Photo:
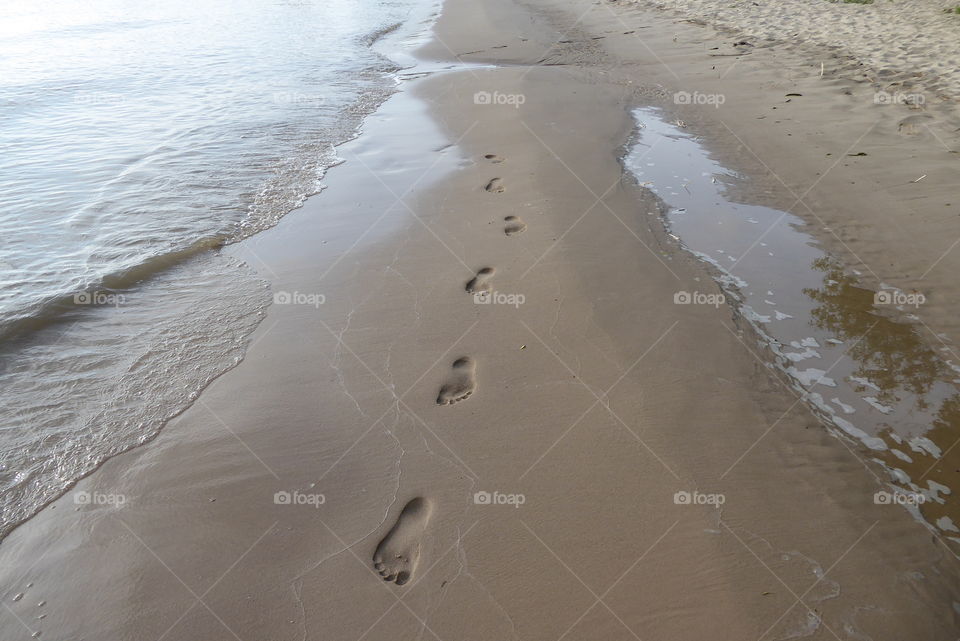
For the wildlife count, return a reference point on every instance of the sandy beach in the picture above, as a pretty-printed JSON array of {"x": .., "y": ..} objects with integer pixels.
[{"x": 480, "y": 408}]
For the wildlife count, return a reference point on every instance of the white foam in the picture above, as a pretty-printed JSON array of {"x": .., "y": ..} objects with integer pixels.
[
  {"x": 796, "y": 357},
  {"x": 877, "y": 405},
  {"x": 923, "y": 444},
  {"x": 812, "y": 376},
  {"x": 864, "y": 382},
  {"x": 847, "y": 409},
  {"x": 750, "y": 314},
  {"x": 946, "y": 524},
  {"x": 901, "y": 455},
  {"x": 936, "y": 490}
]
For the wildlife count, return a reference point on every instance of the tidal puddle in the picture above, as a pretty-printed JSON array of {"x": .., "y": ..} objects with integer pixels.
[{"x": 867, "y": 376}]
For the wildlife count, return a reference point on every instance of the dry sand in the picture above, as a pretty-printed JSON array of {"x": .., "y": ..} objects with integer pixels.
[
  {"x": 511, "y": 468},
  {"x": 916, "y": 41}
]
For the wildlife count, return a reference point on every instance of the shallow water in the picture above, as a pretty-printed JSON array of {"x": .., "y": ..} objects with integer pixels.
[
  {"x": 138, "y": 138},
  {"x": 854, "y": 356}
]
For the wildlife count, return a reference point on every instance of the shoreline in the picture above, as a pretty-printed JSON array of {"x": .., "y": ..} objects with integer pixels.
[
  {"x": 339, "y": 400},
  {"x": 119, "y": 394}
]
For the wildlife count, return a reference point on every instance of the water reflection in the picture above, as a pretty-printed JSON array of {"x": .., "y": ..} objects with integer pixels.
[
  {"x": 867, "y": 373},
  {"x": 894, "y": 365},
  {"x": 889, "y": 355}
]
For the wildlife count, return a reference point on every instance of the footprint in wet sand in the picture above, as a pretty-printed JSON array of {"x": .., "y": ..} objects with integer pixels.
[
  {"x": 462, "y": 382},
  {"x": 493, "y": 158},
  {"x": 397, "y": 555},
  {"x": 495, "y": 186},
  {"x": 514, "y": 226},
  {"x": 481, "y": 282}
]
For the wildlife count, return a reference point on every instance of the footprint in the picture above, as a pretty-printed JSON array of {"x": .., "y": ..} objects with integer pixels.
[
  {"x": 398, "y": 554},
  {"x": 910, "y": 126},
  {"x": 495, "y": 186},
  {"x": 514, "y": 226},
  {"x": 461, "y": 383},
  {"x": 481, "y": 282},
  {"x": 493, "y": 158}
]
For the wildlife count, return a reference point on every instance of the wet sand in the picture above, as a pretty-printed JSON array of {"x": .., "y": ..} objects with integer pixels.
[{"x": 456, "y": 426}]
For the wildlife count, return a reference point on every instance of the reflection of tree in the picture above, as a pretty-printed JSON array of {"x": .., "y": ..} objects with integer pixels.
[{"x": 890, "y": 355}]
